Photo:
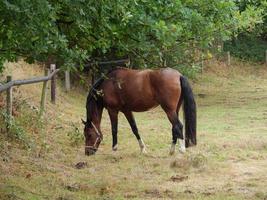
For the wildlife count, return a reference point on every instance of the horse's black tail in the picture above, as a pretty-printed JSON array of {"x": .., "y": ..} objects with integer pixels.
[{"x": 189, "y": 112}]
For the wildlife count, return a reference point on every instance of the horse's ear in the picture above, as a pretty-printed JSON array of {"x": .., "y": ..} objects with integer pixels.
[{"x": 83, "y": 122}]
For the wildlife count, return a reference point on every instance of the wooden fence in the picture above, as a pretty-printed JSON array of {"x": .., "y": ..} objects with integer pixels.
[
  {"x": 228, "y": 55},
  {"x": 49, "y": 75}
]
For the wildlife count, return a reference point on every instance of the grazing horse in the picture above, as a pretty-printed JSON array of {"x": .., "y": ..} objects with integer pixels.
[{"x": 129, "y": 91}]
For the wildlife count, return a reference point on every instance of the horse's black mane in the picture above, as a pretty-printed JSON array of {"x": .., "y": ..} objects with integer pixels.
[
  {"x": 94, "y": 98},
  {"x": 94, "y": 101},
  {"x": 99, "y": 81}
]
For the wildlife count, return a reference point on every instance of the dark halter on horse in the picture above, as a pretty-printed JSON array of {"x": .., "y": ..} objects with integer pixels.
[{"x": 99, "y": 138}]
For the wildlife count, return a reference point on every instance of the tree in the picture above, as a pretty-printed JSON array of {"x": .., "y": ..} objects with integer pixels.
[
  {"x": 152, "y": 33},
  {"x": 28, "y": 29},
  {"x": 249, "y": 41}
]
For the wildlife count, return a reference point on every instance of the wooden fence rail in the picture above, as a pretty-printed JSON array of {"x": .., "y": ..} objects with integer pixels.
[
  {"x": 27, "y": 81},
  {"x": 11, "y": 83}
]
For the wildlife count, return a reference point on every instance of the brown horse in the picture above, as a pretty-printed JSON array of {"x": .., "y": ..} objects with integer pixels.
[{"x": 127, "y": 90}]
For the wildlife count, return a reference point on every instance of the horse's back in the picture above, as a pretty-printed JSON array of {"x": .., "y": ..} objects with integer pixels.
[{"x": 140, "y": 90}]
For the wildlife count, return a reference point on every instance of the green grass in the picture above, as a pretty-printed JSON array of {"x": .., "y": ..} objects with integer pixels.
[{"x": 229, "y": 162}]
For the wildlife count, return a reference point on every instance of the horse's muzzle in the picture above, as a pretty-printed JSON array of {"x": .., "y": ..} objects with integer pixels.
[{"x": 89, "y": 151}]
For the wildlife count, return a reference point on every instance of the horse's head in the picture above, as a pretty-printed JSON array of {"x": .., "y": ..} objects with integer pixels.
[{"x": 93, "y": 138}]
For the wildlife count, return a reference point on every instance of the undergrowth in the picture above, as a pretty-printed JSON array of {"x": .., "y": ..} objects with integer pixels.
[
  {"x": 18, "y": 129},
  {"x": 14, "y": 131},
  {"x": 247, "y": 48},
  {"x": 75, "y": 136}
]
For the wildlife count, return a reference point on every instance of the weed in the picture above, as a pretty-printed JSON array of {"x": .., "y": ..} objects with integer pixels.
[
  {"x": 75, "y": 135},
  {"x": 15, "y": 132},
  {"x": 186, "y": 162},
  {"x": 198, "y": 160},
  {"x": 181, "y": 163}
]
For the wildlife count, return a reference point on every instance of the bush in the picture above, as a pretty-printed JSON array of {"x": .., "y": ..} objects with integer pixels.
[
  {"x": 247, "y": 48},
  {"x": 75, "y": 136},
  {"x": 16, "y": 132}
]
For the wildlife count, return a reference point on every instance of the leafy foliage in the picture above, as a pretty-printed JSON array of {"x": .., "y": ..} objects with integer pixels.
[
  {"x": 256, "y": 12},
  {"x": 152, "y": 33},
  {"x": 248, "y": 48},
  {"x": 250, "y": 41},
  {"x": 27, "y": 29}
]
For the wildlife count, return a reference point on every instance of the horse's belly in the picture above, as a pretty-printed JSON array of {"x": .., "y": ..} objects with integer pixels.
[
  {"x": 140, "y": 106},
  {"x": 139, "y": 103},
  {"x": 131, "y": 105}
]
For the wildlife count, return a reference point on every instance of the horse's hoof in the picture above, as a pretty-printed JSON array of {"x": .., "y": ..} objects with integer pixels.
[
  {"x": 171, "y": 152},
  {"x": 115, "y": 148},
  {"x": 182, "y": 150},
  {"x": 143, "y": 151}
]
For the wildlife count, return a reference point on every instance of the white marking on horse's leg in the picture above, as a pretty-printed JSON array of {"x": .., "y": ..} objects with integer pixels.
[
  {"x": 142, "y": 146},
  {"x": 182, "y": 146},
  {"x": 172, "y": 150},
  {"x": 115, "y": 148}
]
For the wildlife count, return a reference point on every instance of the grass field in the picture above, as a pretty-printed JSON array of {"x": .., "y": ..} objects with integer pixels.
[{"x": 229, "y": 162}]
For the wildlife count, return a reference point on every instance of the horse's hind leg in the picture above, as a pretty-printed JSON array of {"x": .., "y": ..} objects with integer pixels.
[
  {"x": 177, "y": 129},
  {"x": 129, "y": 116},
  {"x": 181, "y": 141}
]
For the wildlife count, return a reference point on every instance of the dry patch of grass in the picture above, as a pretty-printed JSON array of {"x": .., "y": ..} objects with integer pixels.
[{"x": 228, "y": 163}]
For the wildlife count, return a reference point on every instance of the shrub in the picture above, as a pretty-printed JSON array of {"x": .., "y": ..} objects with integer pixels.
[{"x": 247, "y": 48}]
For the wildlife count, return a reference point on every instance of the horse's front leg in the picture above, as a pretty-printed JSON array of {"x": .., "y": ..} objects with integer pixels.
[
  {"x": 131, "y": 120},
  {"x": 113, "y": 115}
]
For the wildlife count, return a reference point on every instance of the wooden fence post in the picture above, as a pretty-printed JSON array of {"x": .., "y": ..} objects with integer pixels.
[
  {"x": 67, "y": 80},
  {"x": 228, "y": 58},
  {"x": 53, "y": 84},
  {"x": 266, "y": 57},
  {"x": 9, "y": 103},
  {"x": 202, "y": 62},
  {"x": 43, "y": 98}
]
